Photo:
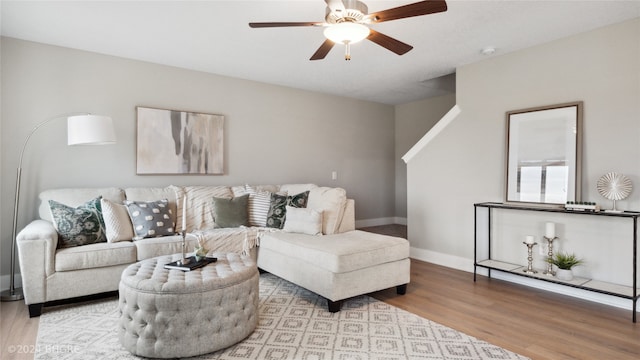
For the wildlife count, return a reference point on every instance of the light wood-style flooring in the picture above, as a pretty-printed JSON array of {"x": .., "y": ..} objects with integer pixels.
[{"x": 531, "y": 322}]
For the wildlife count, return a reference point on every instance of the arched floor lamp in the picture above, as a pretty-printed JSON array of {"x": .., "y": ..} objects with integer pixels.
[{"x": 82, "y": 129}]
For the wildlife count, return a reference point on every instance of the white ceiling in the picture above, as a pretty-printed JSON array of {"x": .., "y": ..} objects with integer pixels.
[{"x": 213, "y": 36}]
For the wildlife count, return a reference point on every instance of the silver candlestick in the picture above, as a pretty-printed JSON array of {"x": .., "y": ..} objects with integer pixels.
[
  {"x": 549, "y": 270},
  {"x": 529, "y": 269},
  {"x": 184, "y": 235},
  {"x": 183, "y": 260}
]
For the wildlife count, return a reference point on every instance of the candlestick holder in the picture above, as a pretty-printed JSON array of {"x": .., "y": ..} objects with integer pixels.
[
  {"x": 183, "y": 260},
  {"x": 529, "y": 269},
  {"x": 549, "y": 270}
]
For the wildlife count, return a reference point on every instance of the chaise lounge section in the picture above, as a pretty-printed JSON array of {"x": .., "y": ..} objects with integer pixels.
[{"x": 338, "y": 266}]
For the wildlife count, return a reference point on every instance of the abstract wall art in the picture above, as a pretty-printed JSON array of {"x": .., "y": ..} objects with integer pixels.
[{"x": 179, "y": 142}]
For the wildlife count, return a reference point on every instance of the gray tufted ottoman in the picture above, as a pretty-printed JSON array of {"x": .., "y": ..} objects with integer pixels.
[{"x": 171, "y": 313}]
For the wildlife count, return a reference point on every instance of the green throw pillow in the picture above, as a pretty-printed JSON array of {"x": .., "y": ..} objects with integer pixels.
[
  {"x": 233, "y": 212},
  {"x": 78, "y": 226}
]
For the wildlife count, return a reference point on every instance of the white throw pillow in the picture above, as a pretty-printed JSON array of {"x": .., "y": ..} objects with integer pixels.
[
  {"x": 303, "y": 220},
  {"x": 117, "y": 223},
  {"x": 331, "y": 202}
]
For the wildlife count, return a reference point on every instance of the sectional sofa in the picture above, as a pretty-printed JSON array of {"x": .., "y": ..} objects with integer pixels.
[{"x": 303, "y": 233}]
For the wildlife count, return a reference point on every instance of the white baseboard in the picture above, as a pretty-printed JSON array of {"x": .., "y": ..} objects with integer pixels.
[
  {"x": 437, "y": 258},
  {"x": 381, "y": 221},
  {"x": 465, "y": 264}
]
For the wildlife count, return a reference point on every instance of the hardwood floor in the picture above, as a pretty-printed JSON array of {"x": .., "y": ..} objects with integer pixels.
[{"x": 531, "y": 322}]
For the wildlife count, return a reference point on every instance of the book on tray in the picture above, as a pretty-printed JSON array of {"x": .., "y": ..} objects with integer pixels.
[{"x": 190, "y": 263}]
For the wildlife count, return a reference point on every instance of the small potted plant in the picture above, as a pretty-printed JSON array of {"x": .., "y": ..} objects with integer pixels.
[
  {"x": 200, "y": 252},
  {"x": 565, "y": 262}
]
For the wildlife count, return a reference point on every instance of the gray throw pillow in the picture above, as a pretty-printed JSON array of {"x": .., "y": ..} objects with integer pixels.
[
  {"x": 231, "y": 212},
  {"x": 151, "y": 218},
  {"x": 78, "y": 226}
]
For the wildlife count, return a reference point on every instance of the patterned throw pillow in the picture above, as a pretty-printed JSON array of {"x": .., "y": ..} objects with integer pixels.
[
  {"x": 278, "y": 211},
  {"x": 232, "y": 212},
  {"x": 78, "y": 226},
  {"x": 298, "y": 200},
  {"x": 151, "y": 219}
]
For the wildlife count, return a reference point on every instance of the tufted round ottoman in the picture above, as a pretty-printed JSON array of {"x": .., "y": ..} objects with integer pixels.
[{"x": 173, "y": 313}]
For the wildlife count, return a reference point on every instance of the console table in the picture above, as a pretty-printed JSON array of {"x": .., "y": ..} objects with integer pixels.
[{"x": 626, "y": 292}]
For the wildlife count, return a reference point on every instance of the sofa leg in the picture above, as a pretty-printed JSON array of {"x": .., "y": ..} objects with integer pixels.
[
  {"x": 35, "y": 310},
  {"x": 334, "y": 306},
  {"x": 401, "y": 289}
]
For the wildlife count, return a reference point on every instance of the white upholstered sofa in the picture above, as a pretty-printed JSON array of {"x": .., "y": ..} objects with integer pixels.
[{"x": 338, "y": 262}]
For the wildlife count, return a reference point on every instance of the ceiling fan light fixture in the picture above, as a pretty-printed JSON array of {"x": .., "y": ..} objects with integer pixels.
[{"x": 346, "y": 32}]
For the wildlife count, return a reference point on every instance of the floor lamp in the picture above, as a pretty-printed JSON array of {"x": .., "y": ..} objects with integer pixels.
[{"x": 82, "y": 129}]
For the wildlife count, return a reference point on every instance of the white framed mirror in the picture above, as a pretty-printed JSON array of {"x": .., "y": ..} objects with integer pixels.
[{"x": 544, "y": 150}]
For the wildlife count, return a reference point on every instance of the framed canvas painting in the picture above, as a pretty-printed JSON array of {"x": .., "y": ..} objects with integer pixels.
[{"x": 179, "y": 142}]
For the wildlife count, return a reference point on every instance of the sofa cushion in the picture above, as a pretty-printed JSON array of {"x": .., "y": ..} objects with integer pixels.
[
  {"x": 331, "y": 202},
  {"x": 238, "y": 240},
  {"x": 152, "y": 247},
  {"x": 80, "y": 225},
  {"x": 199, "y": 205},
  {"x": 296, "y": 188},
  {"x": 75, "y": 197},
  {"x": 117, "y": 223},
  {"x": 304, "y": 221},
  {"x": 338, "y": 253},
  {"x": 95, "y": 256},
  {"x": 151, "y": 218},
  {"x": 232, "y": 212}
]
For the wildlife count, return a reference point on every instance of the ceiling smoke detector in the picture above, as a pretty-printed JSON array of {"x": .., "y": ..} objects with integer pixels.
[{"x": 489, "y": 50}]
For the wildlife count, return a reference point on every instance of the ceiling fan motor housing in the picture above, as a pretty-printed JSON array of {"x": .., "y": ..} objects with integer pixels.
[{"x": 354, "y": 11}]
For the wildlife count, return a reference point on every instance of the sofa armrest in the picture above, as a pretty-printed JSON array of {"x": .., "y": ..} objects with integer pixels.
[
  {"x": 37, "y": 244},
  {"x": 348, "y": 222}
]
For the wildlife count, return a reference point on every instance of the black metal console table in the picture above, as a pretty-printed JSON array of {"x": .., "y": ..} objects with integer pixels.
[{"x": 626, "y": 292}]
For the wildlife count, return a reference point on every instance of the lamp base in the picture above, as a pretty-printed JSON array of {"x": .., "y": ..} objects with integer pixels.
[{"x": 8, "y": 295}]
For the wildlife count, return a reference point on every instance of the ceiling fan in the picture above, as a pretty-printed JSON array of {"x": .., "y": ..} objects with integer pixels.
[{"x": 347, "y": 22}]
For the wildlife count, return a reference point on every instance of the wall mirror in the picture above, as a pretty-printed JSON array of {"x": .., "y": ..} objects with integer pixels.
[{"x": 544, "y": 154}]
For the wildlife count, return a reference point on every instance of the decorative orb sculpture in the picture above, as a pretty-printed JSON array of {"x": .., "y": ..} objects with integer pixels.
[{"x": 614, "y": 186}]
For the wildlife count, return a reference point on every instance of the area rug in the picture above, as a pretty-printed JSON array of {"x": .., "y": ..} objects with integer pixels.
[{"x": 294, "y": 324}]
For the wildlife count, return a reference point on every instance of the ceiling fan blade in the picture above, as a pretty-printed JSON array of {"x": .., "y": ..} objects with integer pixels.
[
  {"x": 410, "y": 10},
  {"x": 389, "y": 43},
  {"x": 323, "y": 50},
  {"x": 335, "y": 5},
  {"x": 282, "y": 24}
]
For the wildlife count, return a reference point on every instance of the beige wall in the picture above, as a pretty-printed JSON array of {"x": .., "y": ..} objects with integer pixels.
[
  {"x": 273, "y": 134},
  {"x": 465, "y": 163},
  {"x": 413, "y": 120}
]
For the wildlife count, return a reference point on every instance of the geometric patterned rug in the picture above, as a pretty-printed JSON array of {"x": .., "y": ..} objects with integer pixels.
[{"x": 294, "y": 324}]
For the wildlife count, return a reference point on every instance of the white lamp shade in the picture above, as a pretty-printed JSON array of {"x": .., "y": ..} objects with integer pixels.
[
  {"x": 90, "y": 130},
  {"x": 346, "y": 32}
]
